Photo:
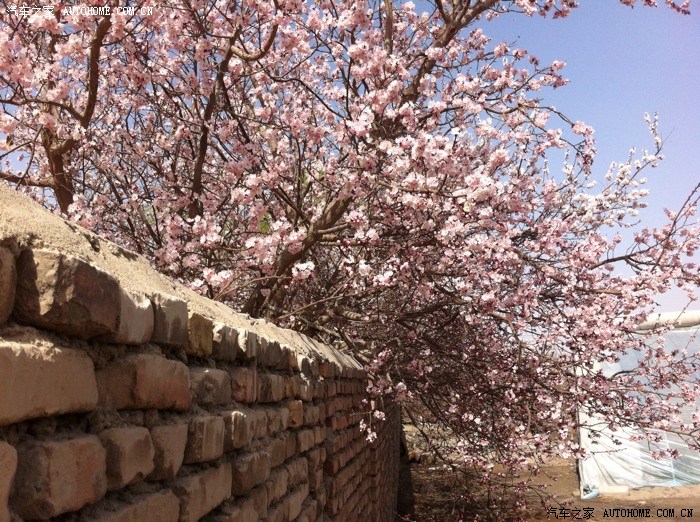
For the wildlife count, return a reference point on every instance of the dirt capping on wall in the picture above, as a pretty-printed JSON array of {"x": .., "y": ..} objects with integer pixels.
[{"x": 126, "y": 396}]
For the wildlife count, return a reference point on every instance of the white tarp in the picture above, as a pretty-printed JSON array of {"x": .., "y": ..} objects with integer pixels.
[{"x": 615, "y": 467}]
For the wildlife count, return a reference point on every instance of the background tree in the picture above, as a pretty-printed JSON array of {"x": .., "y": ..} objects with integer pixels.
[{"x": 371, "y": 173}]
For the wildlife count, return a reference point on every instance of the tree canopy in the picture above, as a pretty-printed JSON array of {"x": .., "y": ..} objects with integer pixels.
[{"x": 371, "y": 173}]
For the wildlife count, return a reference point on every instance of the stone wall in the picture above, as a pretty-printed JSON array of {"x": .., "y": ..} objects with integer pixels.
[{"x": 127, "y": 397}]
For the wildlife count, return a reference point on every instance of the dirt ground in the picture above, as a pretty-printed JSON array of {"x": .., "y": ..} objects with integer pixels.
[{"x": 428, "y": 493}]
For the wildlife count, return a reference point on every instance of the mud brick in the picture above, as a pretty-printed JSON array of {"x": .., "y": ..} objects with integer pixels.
[
  {"x": 295, "y": 501},
  {"x": 130, "y": 454},
  {"x": 169, "y": 443},
  {"x": 8, "y": 466},
  {"x": 210, "y": 386},
  {"x": 162, "y": 506},
  {"x": 305, "y": 440},
  {"x": 260, "y": 501},
  {"x": 249, "y": 471},
  {"x": 277, "y": 484},
  {"x": 239, "y": 428},
  {"x": 298, "y": 471},
  {"x": 200, "y": 335},
  {"x": 260, "y": 423},
  {"x": 225, "y": 343},
  {"x": 38, "y": 380},
  {"x": 271, "y": 387},
  {"x": 319, "y": 434},
  {"x": 170, "y": 320},
  {"x": 249, "y": 343},
  {"x": 205, "y": 439},
  {"x": 270, "y": 355},
  {"x": 277, "y": 449},
  {"x": 244, "y": 384},
  {"x": 136, "y": 319},
  {"x": 143, "y": 381},
  {"x": 64, "y": 294},
  {"x": 277, "y": 420},
  {"x": 296, "y": 413},
  {"x": 202, "y": 492},
  {"x": 312, "y": 415},
  {"x": 8, "y": 283},
  {"x": 55, "y": 477}
]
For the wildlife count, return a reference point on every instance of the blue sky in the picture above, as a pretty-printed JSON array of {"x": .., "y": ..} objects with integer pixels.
[{"x": 621, "y": 63}]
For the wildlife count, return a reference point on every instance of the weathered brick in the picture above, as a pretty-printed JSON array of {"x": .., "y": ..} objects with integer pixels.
[
  {"x": 200, "y": 335},
  {"x": 61, "y": 293},
  {"x": 203, "y": 491},
  {"x": 8, "y": 466},
  {"x": 277, "y": 513},
  {"x": 205, "y": 439},
  {"x": 305, "y": 440},
  {"x": 312, "y": 415},
  {"x": 298, "y": 471},
  {"x": 162, "y": 506},
  {"x": 8, "y": 283},
  {"x": 271, "y": 354},
  {"x": 260, "y": 423},
  {"x": 260, "y": 501},
  {"x": 319, "y": 434},
  {"x": 296, "y": 413},
  {"x": 295, "y": 501},
  {"x": 130, "y": 454},
  {"x": 250, "y": 343},
  {"x": 144, "y": 381},
  {"x": 244, "y": 384},
  {"x": 210, "y": 386},
  {"x": 169, "y": 443},
  {"x": 55, "y": 477},
  {"x": 277, "y": 420},
  {"x": 135, "y": 319},
  {"x": 37, "y": 380},
  {"x": 249, "y": 471},
  {"x": 170, "y": 320},
  {"x": 239, "y": 428},
  {"x": 271, "y": 388},
  {"x": 277, "y": 449},
  {"x": 225, "y": 343},
  {"x": 277, "y": 484}
]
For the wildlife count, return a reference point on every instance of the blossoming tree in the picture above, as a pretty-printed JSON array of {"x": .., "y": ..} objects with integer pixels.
[{"x": 372, "y": 173}]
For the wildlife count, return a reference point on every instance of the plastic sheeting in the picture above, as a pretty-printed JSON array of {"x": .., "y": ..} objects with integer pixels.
[{"x": 614, "y": 467}]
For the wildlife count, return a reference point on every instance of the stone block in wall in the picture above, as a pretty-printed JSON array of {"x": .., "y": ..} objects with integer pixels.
[
  {"x": 277, "y": 420},
  {"x": 136, "y": 318},
  {"x": 244, "y": 384},
  {"x": 249, "y": 471},
  {"x": 305, "y": 440},
  {"x": 277, "y": 484},
  {"x": 249, "y": 343},
  {"x": 296, "y": 413},
  {"x": 202, "y": 492},
  {"x": 277, "y": 449},
  {"x": 8, "y": 466},
  {"x": 200, "y": 335},
  {"x": 239, "y": 428},
  {"x": 271, "y": 387},
  {"x": 170, "y": 320},
  {"x": 8, "y": 283},
  {"x": 225, "y": 345},
  {"x": 298, "y": 471},
  {"x": 64, "y": 294},
  {"x": 271, "y": 354},
  {"x": 130, "y": 455},
  {"x": 312, "y": 415},
  {"x": 143, "y": 381},
  {"x": 162, "y": 506},
  {"x": 205, "y": 439},
  {"x": 260, "y": 501},
  {"x": 295, "y": 501},
  {"x": 260, "y": 423},
  {"x": 169, "y": 443},
  {"x": 210, "y": 386},
  {"x": 55, "y": 477},
  {"x": 38, "y": 380}
]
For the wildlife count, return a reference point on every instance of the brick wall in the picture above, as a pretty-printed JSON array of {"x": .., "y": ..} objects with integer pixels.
[{"x": 125, "y": 397}]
